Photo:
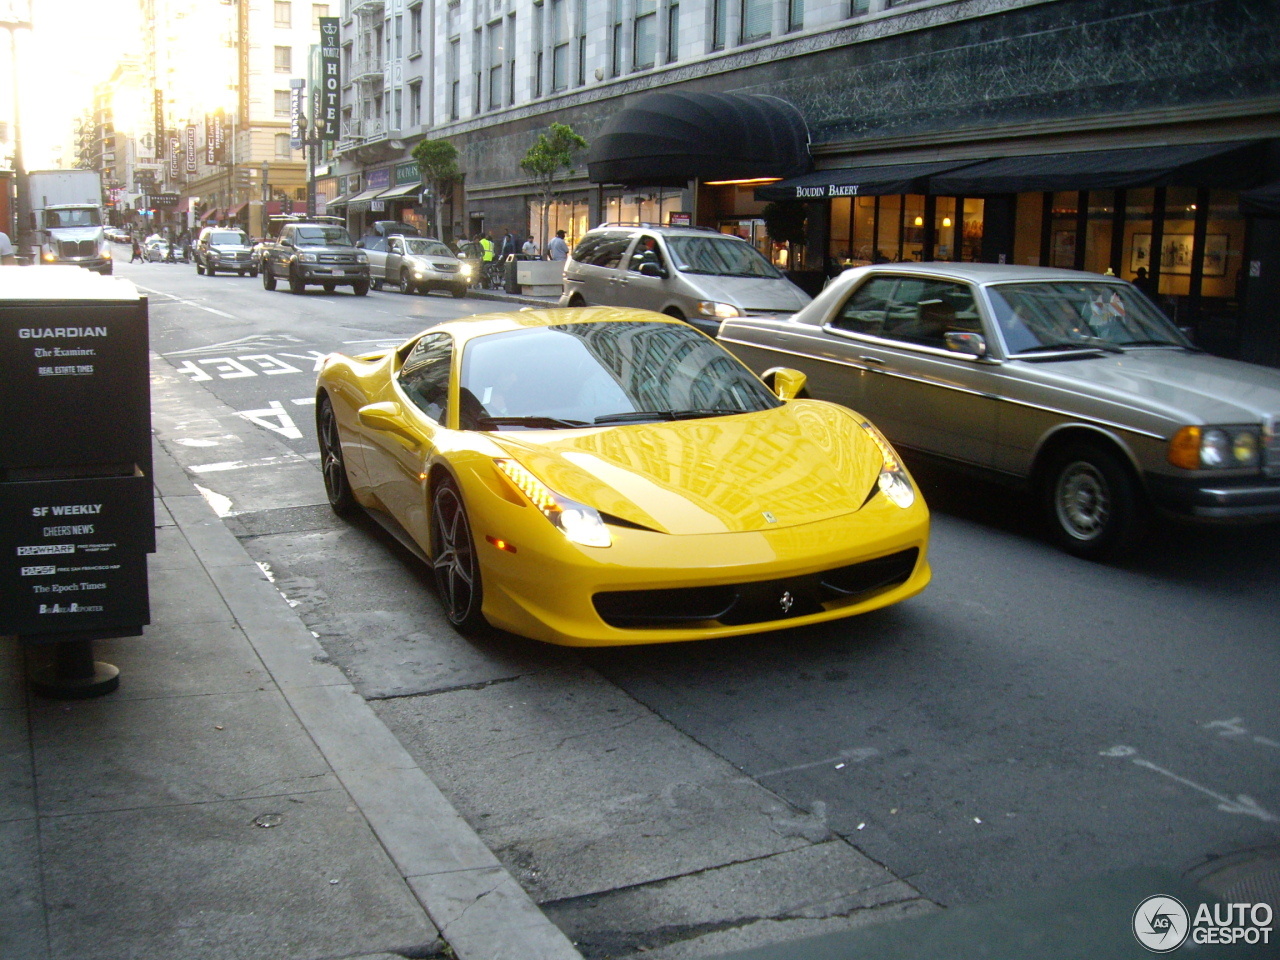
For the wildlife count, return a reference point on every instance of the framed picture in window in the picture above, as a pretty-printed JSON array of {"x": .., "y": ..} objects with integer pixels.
[{"x": 1177, "y": 251}]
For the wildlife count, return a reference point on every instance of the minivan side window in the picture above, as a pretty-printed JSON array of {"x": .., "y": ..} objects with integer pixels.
[
  {"x": 607, "y": 251},
  {"x": 646, "y": 251},
  {"x": 425, "y": 375}
]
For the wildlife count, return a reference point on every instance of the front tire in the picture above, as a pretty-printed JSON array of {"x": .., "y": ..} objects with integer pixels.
[
  {"x": 199, "y": 269},
  {"x": 337, "y": 485},
  {"x": 406, "y": 284},
  {"x": 329, "y": 288},
  {"x": 211, "y": 270},
  {"x": 459, "y": 291},
  {"x": 296, "y": 286},
  {"x": 453, "y": 559},
  {"x": 268, "y": 279},
  {"x": 360, "y": 288},
  {"x": 1090, "y": 502}
]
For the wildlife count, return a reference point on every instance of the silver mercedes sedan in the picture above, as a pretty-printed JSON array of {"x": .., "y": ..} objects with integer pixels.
[{"x": 1072, "y": 384}]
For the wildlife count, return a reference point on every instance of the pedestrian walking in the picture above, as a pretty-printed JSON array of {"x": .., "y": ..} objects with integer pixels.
[
  {"x": 137, "y": 251},
  {"x": 557, "y": 249},
  {"x": 508, "y": 245}
]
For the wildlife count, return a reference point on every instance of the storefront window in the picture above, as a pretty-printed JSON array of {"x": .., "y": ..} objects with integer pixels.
[
  {"x": 971, "y": 229},
  {"x": 840, "y": 246},
  {"x": 1224, "y": 246},
  {"x": 1062, "y": 229},
  {"x": 654, "y": 205},
  {"x": 1138, "y": 215},
  {"x": 944, "y": 228},
  {"x": 568, "y": 213},
  {"x": 890, "y": 239},
  {"x": 913, "y": 228},
  {"x": 1097, "y": 247}
]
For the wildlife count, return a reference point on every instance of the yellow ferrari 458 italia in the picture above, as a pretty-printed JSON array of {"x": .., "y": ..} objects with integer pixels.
[{"x": 602, "y": 476}]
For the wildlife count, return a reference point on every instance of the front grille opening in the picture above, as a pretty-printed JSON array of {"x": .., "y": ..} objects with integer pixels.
[{"x": 762, "y": 601}]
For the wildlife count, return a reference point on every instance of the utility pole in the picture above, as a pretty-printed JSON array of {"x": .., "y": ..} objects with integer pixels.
[{"x": 22, "y": 225}]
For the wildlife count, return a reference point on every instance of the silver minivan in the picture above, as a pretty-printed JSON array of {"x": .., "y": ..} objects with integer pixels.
[{"x": 692, "y": 273}]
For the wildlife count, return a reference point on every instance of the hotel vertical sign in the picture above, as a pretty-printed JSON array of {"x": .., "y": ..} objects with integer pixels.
[
  {"x": 242, "y": 38},
  {"x": 159, "y": 118},
  {"x": 330, "y": 85}
]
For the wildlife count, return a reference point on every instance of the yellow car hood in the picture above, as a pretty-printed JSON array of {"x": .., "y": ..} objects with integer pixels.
[{"x": 799, "y": 463}]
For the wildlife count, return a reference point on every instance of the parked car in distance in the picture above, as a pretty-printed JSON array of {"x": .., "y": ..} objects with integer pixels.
[
  {"x": 222, "y": 248},
  {"x": 1072, "y": 384},
  {"x": 315, "y": 253},
  {"x": 156, "y": 251},
  {"x": 596, "y": 477},
  {"x": 415, "y": 264},
  {"x": 690, "y": 273}
]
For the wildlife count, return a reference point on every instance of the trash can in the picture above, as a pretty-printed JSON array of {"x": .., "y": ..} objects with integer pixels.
[
  {"x": 509, "y": 282},
  {"x": 77, "y": 517}
]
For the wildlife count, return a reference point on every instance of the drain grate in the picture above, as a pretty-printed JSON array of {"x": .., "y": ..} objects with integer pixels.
[{"x": 1252, "y": 876}]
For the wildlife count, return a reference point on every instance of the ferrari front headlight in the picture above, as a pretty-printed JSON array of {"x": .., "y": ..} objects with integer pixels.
[
  {"x": 893, "y": 481},
  {"x": 578, "y": 522}
]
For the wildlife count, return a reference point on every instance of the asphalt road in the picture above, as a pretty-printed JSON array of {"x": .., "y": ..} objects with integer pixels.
[{"x": 1030, "y": 720}]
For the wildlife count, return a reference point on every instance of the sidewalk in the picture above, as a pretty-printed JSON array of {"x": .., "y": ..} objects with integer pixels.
[{"x": 235, "y": 797}]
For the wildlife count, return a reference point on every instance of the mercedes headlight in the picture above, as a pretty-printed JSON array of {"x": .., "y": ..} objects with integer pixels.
[
  {"x": 1215, "y": 448},
  {"x": 893, "y": 481},
  {"x": 577, "y": 521},
  {"x": 710, "y": 308}
]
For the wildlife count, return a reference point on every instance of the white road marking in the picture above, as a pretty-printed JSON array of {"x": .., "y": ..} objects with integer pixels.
[
  {"x": 268, "y": 418},
  {"x": 190, "y": 303},
  {"x": 1235, "y": 728},
  {"x": 244, "y": 464},
  {"x": 221, "y": 505},
  {"x": 1242, "y": 804}
]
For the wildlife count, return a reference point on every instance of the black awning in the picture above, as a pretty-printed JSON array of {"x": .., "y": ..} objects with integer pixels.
[
  {"x": 1262, "y": 202},
  {"x": 1223, "y": 165},
  {"x": 670, "y": 138},
  {"x": 885, "y": 180}
]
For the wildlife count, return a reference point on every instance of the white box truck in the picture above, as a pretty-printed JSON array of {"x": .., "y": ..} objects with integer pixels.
[{"x": 66, "y": 206}]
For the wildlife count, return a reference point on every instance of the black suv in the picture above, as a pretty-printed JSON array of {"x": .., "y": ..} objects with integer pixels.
[
  {"x": 315, "y": 253},
  {"x": 222, "y": 248}
]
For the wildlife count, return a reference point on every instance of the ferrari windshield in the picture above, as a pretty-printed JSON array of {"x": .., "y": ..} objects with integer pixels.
[
  {"x": 1047, "y": 316},
  {"x": 587, "y": 374},
  {"x": 718, "y": 257},
  {"x": 426, "y": 248},
  {"x": 322, "y": 237}
]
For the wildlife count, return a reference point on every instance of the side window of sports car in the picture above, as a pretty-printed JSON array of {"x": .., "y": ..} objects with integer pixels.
[
  {"x": 424, "y": 377},
  {"x": 864, "y": 311}
]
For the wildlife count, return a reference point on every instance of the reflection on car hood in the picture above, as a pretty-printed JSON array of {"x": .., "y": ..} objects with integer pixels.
[
  {"x": 1188, "y": 387},
  {"x": 752, "y": 293},
  {"x": 801, "y": 463}
]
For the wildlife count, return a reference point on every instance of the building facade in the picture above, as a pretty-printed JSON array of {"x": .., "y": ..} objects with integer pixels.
[{"x": 1100, "y": 134}]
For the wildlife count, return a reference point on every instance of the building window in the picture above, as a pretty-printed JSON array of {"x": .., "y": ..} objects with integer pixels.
[
  {"x": 399, "y": 37},
  {"x": 673, "y": 32},
  {"x": 581, "y": 28},
  {"x": 415, "y": 30},
  {"x": 495, "y": 65},
  {"x": 415, "y": 104},
  {"x": 858, "y": 8},
  {"x": 452, "y": 77},
  {"x": 559, "y": 45},
  {"x": 283, "y": 150},
  {"x": 645, "y": 46},
  {"x": 615, "y": 41},
  {"x": 795, "y": 14},
  {"x": 511, "y": 58},
  {"x": 284, "y": 13},
  {"x": 282, "y": 103},
  {"x": 284, "y": 59},
  {"x": 318, "y": 10},
  {"x": 757, "y": 19},
  {"x": 719, "y": 23},
  {"x": 477, "y": 71},
  {"x": 396, "y": 109}
]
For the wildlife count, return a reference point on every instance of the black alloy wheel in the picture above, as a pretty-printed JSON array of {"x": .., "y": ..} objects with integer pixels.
[
  {"x": 406, "y": 283},
  {"x": 268, "y": 278},
  {"x": 337, "y": 485},
  {"x": 1091, "y": 502},
  {"x": 360, "y": 288},
  {"x": 296, "y": 286},
  {"x": 453, "y": 559}
]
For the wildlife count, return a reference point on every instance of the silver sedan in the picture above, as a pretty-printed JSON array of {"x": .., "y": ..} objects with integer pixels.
[{"x": 1073, "y": 384}]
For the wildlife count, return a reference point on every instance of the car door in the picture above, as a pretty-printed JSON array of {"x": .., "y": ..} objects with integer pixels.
[
  {"x": 598, "y": 273},
  {"x": 890, "y": 332},
  {"x": 393, "y": 259},
  {"x": 401, "y": 427},
  {"x": 638, "y": 285}
]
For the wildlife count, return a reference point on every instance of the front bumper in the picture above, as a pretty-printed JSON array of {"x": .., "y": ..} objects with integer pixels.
[
  {"x": 549, "y": 588},
  {"x": 1226, "y": 498},
  {"x": 338, "y": 273}
]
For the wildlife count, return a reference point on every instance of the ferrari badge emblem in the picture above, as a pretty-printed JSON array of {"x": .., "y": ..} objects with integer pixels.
[
  {"x": 770, "y": 517},
  {"x": 786, "y": 601}
]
